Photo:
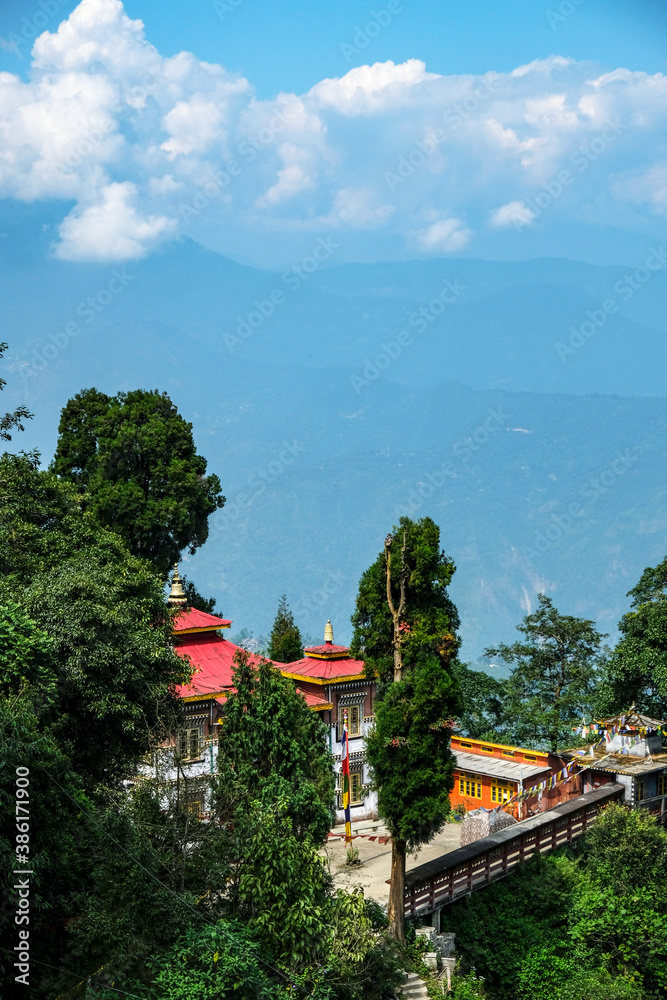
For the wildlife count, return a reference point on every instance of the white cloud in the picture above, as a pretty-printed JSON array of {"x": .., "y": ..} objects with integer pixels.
[
  {"x": 444, "y": 236},
  {"x": 96, "y": 32},
  {"x": 137, "y": 139},
  {"x": 113, "y": 229},
  {"x": 649, "y": 188},
  {"x": 293, "y": 178},
  {"x": 514, "y": 213},
  {"x": 358, "y": 208},
  {"x": 192, "y": 125},
  {"x": 372, "y": 89}
]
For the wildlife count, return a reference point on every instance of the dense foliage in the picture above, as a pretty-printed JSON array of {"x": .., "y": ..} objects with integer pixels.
[
  {"x": 105, "y": 614},
  {"x": 275, "y": 749},
  {"x": 130, "y": 891},
  {"x": 637, "y": 669},
  {"x": 133, "y": 460}
]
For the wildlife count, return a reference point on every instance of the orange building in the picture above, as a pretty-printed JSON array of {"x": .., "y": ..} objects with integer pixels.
[{"x": 488, "y": 774}]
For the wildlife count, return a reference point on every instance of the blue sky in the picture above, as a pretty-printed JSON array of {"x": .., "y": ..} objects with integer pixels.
[
  {"x": 292, "y": 45},
  {"x": 298, "y": 121}
]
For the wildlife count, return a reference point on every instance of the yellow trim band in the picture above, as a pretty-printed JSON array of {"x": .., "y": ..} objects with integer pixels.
[
  {"x": 200, "y": 628},
  {"x": 501, "y": 746},
  {"x": 305, "y": 679},
  {"x": 203, "y": 697}
]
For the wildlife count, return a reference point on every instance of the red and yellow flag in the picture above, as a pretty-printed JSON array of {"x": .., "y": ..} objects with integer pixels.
[{"x": 345, "y": 771}]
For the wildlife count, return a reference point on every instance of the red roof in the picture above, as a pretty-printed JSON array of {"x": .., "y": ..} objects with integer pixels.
[
  {"x": 329, "y": 650},
  {"x": 212, "y": 661},
  {"x": 191, "y": 618},
  {"x": 323, "y": 670},
  {"x": 314, "y": 699}
]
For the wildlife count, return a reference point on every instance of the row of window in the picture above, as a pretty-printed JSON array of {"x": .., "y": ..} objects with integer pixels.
[
  {"x": 191, "y": 740},
  {"x": 494, "y": 749},
  {"x": 471, "y": 787},
  {"x": 501, "y": 791}
]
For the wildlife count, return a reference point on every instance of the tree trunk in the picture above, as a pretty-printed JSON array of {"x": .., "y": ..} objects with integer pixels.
[
  {"x": 396, "y": 909},
  {"x": 398, "y": 653}
]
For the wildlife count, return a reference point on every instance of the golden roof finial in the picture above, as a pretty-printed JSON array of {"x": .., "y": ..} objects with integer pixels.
[
  {"x": 176, "y": 594},
  {"x": 328, "y": 632}
]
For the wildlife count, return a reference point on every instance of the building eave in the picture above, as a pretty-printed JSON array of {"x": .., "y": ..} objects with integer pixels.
[{"x": 307, "y": 679}]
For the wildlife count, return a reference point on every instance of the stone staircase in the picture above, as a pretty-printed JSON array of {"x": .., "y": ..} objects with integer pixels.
[
  {"x": 414, "y": 987},
  {"x": 440, "y": 959}
]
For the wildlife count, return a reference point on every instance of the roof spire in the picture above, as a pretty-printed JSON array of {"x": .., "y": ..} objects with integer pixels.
[
  {"x": 328, "y": 632},
  {"x": 176, "y": 594}
]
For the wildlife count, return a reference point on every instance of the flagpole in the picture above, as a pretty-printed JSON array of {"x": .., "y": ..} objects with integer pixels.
[{"x": 345, "y": 758}]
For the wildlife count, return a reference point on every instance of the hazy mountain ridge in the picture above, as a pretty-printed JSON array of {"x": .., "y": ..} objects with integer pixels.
[{"x": 316, "y": 467}]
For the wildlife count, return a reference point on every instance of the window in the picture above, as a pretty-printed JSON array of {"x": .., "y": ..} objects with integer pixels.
[
  {"x": 356, "y": 787},
  {"x": 662, "y": 784},
  {"x": 354, "y": 719},
  {"x": 470, "y": 786},
  {"x": 528, "y": 756},
  {"x": 501, "y": 791},
  {"x": 488, "y": 749},
  {"x": 464, "y": 744},
  {"x": 194, "y": 801},
  {"x": 508, "y": 753},
  {"x": 191, "y": 742},
  {"x": 641, "y": 790}
]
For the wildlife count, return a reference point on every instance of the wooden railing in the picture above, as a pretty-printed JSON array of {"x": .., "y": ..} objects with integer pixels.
[{"x": 436, "y": 883}]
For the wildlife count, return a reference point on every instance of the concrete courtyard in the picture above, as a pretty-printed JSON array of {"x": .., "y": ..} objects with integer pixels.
[{"x": 375, "y": 858}]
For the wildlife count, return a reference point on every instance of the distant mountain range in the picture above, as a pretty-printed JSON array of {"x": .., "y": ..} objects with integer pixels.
[{"x": 522, "y": 405}]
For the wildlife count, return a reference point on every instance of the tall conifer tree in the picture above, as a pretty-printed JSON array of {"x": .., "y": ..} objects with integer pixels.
[
  {"x": 285, "y": 645},
  {"x": 404, "y": 628}
]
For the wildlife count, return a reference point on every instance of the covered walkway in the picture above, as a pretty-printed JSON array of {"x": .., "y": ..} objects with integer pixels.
[{"x": 432, "y": 885}]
